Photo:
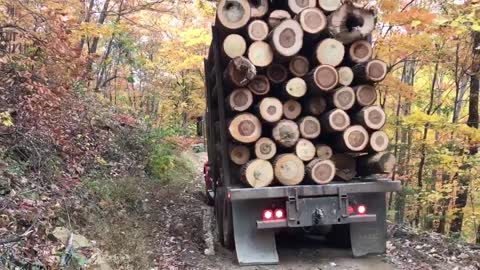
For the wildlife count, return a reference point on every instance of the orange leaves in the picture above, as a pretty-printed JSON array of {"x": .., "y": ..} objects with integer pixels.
[
  {"x": 411, "y": 18},
  {"x": 395, "y": 87}
]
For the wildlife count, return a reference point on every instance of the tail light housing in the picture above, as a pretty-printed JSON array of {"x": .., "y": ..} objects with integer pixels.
[
  {"x": 270, "y": 214},
  {"x": 361, "y": 209},
  {"x": 267, "y": 215}
]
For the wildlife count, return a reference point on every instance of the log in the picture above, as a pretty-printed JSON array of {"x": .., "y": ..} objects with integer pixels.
[
  {"x": 271, "y": 109},
  {"x": 379, "y": 141},
  {"x": 239, "y": 154},
  {"x": 289, "y": 170},
  {"x": 324, "y": 151},
  {"x": 286, "y": 133},
  {"x": 330, "y": 52},
  {"x": 278, "y": 16},
  {"x": 239, "y": 72},
  {"x": 234, "y": 46},
  {"x": 258, "y": 30},
  {"x": 379, "y": 163},
  {"x": 323, "y": 78},
  {"x": 313, "y": 22},
  {"x": 240, "y": 100},
  {"x": 296, "y": 6},
  {"x": 335, "y": 120},
  {"x": 360, "y": 51},
  {"x": 299, "y": 66},
  {"x": 372, "y": 71},
  {"x": 260, "y": 54},
  {"x": 321, "y": 171},
  {"x": 296, "y": 87},
  {"x": 233, "y": 14},
  {"x": 342, "y": 98},
  {"x": 259, "y": 8},
  {"x": 292, "y": 109},
  {"x": 259, "y": 85},
  {"x": 371, "y": 117},
  {"x": 329, "y": 5},
  {"x": 310, "y": 127},
  {"x": 305, "y": 150},
  {"x": 366, "y": 95},
  {"x": 287, "y": 38},
  {"x": 316, "y": 105},
  {"x": 349, "y": 24},
  {"x": 345, "y": 165},
  {"x": 277, "y": 73},
  {"x": 353, "y": 139},
  {"x": 345, "y": 76},
  {"x": 245, "y": 128},
  {"x": 257, "y": 173},
  {"x": 265, "y": 148}
]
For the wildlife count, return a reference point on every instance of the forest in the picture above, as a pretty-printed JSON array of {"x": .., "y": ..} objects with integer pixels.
[{"x": 144, "y": 59}]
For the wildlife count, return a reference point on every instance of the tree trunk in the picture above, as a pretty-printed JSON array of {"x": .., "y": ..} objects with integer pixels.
[
  {"x": 265, "y": 148},
  {"x": 360, "y": 52},
  {"x": 286, "y": 133},
  {"x": 342, "y": 98},
  {"x": 233, "y": 15},
  {"x": 287, "y": 38},
  {"x": 258, "y": 30},
  {"x": 296, "y": 6},
  {"x": 329, "y": 5},
  {"x": 278, "y": 16},
  {"x": 378, "y": 141},
  {"x": 305, "y": 150},
  {"x": 240, "y": 100},
  {"x": 292, "y": 109},
  {"x": 323, "y": 78},
  {"x": 245, "y": 128},
  {"x": 330, "y": 52},
  {"x": 239, "y": 154},
  {"x": 271, "y": 109},
  {"x": 345, "y": 76},
  {"x": 289, "y": 169},
  {"x": 321, "y": 171},
  {"x": 260, "y": 54},
  {"x": 259, "y": 85},
  {"x": 335, "y": 121},
  {"x": 259, "y": 9},
  {"x": 324, "y": 151},
  {"x": 353, "y": 139},
  {"x": 299, "y": 66},
  {"x": 234, "y": 45},
  {"x": 346, "y": 166},
  {"x": 239, "y": 72},
  {"x": 309, "y": 127},
  {"x": 313, "y": 22},
  {"x": 366, "y": 95},
  {"x": 371, "y": 117},
  {"x": 257, "y": 173},
  {"x": 349, "y": 24},
  {"x": 371, "y": 72},
  {"x": 296, "y": 87},
  {"x": 379, "y": 163}
]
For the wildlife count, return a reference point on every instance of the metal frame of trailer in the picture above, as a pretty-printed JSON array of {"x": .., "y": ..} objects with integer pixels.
[{"x": 239, "y": 210}]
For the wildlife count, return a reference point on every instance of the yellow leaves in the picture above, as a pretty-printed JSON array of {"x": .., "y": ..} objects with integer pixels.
[
  {"x": 6, "y": 119},
  {"x": 394, "y": 87}
]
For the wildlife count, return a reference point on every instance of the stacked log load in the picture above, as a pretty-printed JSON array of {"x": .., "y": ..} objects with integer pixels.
[{"x": 300, "y": 81}]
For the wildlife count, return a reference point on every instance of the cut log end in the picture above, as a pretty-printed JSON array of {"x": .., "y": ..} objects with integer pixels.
[
  {"x": 239, "y": 154},
  {"x": 245, "y": 128},
  {"x": 313, "y": 21},
  {"x": 287, "y": 38},
  {"x": 292, "y": 109},
  {"x": 296, "y": 87},
  {"x": 296, "y": 6},
  {"x": 260, "y": 54},
  {"x": 376, "y": 70},
  {"x": 259, "y": 85},
  {"x": 371, "y": 117},
  {"x": 355, "y": 139},
  {"x": 321, "y": 171},
  {"x": 234, "y": 46},
  {"x": 343, "y": 98},
  {"x": 289, "y": 169},
  {"x": 278, "y": 16},
  {"x": 233, "y": 14},
  {"x": 299, "y": 66},
  {"x": 309, "y": 127},
  {"x": 360, "y": 51},
  {"x": 324, "y": 151},
  {"x": 240, "y": 100},
  {"x": 258, "y": 30},
  {"x": 379, "y": 163},
  {"x": 335, "y": 121},
  {"x": 329, "y": 5},
  {"x": 259, "y": 9},
  {"x": 345, "y": 165},
  {"x": 305, "y": 150},
  {"x": 325, "y": 77},
  {"x": 366, "y": 95},
  {"x": 316, "y": 105},
  {"x": 286, "y": 133},
  {"x": 379, "y": 141},
  {"x": 349, "y": 24},
  {"x": 271, "y": 109},
  {"x": 277, "y": 73},
  {"x": 330, "y": 52},
  {"x": 257, "y": 173},
  {"x": 240, "y": 71},
  {"x": 265, "y": 148},
  {"x": 345, "y": 76}
]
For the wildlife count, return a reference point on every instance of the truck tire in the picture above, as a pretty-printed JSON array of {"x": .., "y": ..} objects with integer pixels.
[
  {"x": 228, "y": 238},
  {"x": 339, "y": 236}
]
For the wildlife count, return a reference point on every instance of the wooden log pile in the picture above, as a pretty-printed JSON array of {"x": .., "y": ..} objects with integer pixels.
[{"x": 299, "y": 78}]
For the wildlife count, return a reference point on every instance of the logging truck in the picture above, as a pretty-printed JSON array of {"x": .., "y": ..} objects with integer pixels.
[{"x": 294, "y": 137}]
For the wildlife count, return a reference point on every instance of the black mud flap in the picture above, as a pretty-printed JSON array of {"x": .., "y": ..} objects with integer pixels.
[
  {"x": 370, "y": 237},
  {"x": 253, "y": 246}
]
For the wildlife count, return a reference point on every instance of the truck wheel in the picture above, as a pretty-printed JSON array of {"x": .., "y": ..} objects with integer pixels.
[
  {"x": 339, "y": 236},
  {"x": 228, "y": 238},
  {"x": 219, "y": 216}
]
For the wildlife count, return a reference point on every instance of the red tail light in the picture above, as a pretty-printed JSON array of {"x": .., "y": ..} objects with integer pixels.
[
  {"x": 279, "y": 214},
  {"x": 267, "y": 214},
  {"x": 350, "y": 210},
  {"x": 361, "y": 209}
]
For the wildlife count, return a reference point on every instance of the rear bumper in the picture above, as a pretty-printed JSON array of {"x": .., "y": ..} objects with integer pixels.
[{"x": 278, "y": 224}]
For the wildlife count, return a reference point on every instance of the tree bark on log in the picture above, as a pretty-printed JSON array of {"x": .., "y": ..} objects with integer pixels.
[
  {"x": 240, "y": 100},
  {"x": 305, "y": 150},
  {"x": 271, "y": 109},
  {"x": 345, "y": 76},
  {"x": 296, "y": 87},
  {"x": 321, "y": 171},
  {"x": 234, "y": 45},
  {"x": 260, "y": 54},
  {"x": 316, "y": 105},
  {"x": 335, "y": 120},
  {"x": 371, "y": 117},
  {"x": 296, "y": 6},
  {"x": 323, "y": 78},
  {"x": 259, "y": 9},
  {"x": 379, "y": 163},
  {"x": 329, "y": 5},
  {"x": 292, "y": 109},
  {"x": 313, "y": 22},
  {"x": 366, "y": 95},
  {"x": 345, "y": 165},
  {"x": 372, "y": 71},
  {"x": 360, "y": 52},
  {"x": 277, "y": 73},
  {"x": 309, "y": 127},
  {"x": 259, "y": 85},
  {"x": 233, "y": 14},
  {"x": 289, "y": 169},
  {"x": 286, "y": 133},
  {"x": 324, "y": 151},
  {"x": 278, "y": 16},
  {"x": 379, "y": 141},
  {"x": 349, "y": 24},
  {"x": 257, "y": 173},
  {"x": 258, "y": 30},
  {"x": 330, "y": 52},
  {"x": 265, "y": 148},
  {"x": 342, "y": 98},
  {"x": 353, "y": 139},
  {"x": 287, "y": 38},
  {"x": 299, "y": 66},
  {"x": 245, "y": 128},
  {"x": 239, "y": 154},
  {"x": 239, "y": 72}
]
